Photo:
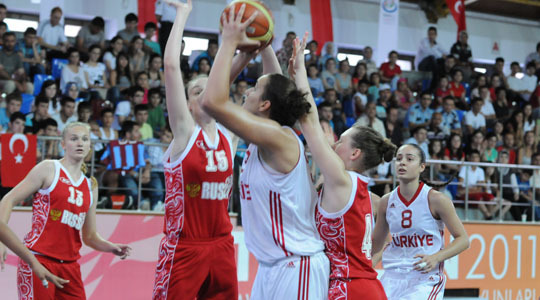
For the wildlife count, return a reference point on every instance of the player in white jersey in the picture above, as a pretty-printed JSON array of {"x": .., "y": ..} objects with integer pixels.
[
  {"x": 415, "y": 215},
  {"x": 278, "y": 200}
]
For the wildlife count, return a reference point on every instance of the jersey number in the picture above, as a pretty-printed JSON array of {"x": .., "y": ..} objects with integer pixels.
[
  {"x": 75, "y": 196},
  {"x": 366, "y": 243},
  {"x": 222, "y": 163},
  {"x": 406, "y": 221}
]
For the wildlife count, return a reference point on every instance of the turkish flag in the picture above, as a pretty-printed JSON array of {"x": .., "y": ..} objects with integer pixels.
[
  {"x": 145, "y": 12},
  {"x": 457, "y": 8},
  {"x": 18, "y": 157},
  {"x": 321, "y": 22}
]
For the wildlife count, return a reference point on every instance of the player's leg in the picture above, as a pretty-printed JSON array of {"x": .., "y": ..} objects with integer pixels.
[
  {"x": 222, "y": 281},
  {"x": 74, "y": 290},
  {"x": 364, "y": 288},
  {"x": 29, "y": 286},
  {"x": 393, "y": 284},
  {"x": 425, "y": 287},
  {"x": 261, "y": 286}
]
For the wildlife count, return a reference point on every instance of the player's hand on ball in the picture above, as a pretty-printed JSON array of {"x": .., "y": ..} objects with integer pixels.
[
  {"x": 122, "y": 250},
  {"x": 426, "y": 262},
  {"x": 234, "y": 30}
]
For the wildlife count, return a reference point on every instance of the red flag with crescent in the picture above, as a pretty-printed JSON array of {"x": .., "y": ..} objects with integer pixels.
[
  {"x": 457, "y": 8},
  {"x": 18, "y": 157}
]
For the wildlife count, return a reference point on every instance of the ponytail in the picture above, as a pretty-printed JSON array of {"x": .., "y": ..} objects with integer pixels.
[
  {"x": 437, "y": 185},
  {"x": 84, "y": 170}
]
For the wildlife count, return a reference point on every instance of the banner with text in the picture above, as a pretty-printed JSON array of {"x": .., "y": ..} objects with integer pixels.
[{"x": 388, "y": 29}]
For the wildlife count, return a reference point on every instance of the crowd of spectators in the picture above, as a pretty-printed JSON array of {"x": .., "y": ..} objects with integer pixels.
[{"x": 117, "y": 86}]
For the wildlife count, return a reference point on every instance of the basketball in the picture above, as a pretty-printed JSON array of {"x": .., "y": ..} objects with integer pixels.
[{"x": 262, "y": 28}]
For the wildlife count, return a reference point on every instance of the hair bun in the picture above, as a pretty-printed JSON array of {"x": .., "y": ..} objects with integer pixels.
[{"x": 388, "y": 150}]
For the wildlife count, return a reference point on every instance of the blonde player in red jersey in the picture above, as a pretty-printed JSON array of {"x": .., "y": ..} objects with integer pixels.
[
  {"x": 64, "y": 203},
  {"x": 415, "y": 215},
  {"x": 12, "y": 242},
  {"x": 277, "y": 196},
  {"x": 196, "y": 255},
  {"x": 344, "y": 215}
]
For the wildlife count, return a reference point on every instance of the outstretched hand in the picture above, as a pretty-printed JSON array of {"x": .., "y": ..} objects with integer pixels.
[
  {"x": 234, "y": 30},
  {"x": 121, "y": 250},
  {"x": 180, "y": 6},
  {"x": 296, "y": 62}
]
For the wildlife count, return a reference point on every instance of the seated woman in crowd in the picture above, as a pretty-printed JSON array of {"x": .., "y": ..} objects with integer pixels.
[
  {"x": 138, "y": 59},
  {"x": 109, "y": 58},
  {"x": 121, "y": 77},
  {"x": 155, "y": 72},
  {"x": 73, "y": 71}
]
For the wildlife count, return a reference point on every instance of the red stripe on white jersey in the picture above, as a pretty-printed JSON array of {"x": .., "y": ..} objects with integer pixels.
[
  {"x": 301, "y": 280},
  {"x": 277, "y": 221}
]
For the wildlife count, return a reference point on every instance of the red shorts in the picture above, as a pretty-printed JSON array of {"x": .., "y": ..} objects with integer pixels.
[
  {"x": 193, "y": 269},
  {"x": 358, "y": 288},
  {"x": 30, "y": 286}
]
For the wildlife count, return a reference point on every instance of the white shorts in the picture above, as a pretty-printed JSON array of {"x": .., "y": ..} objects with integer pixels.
[
  {"x": 410, "y": 286},
  {"x": 296, "y": 277}
]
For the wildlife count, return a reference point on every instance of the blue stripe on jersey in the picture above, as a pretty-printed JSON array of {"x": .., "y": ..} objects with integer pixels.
[
  {"x": 130, "y": 161},
  {"x": 117, "y": 157}
]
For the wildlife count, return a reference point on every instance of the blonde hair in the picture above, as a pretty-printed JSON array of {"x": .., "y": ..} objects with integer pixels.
[
  {"x": 84, "y": 168},
  {"x": 192, "y": 82}
]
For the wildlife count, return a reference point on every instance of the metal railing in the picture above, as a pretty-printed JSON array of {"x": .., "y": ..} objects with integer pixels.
[{"x": 465, "y": 201}]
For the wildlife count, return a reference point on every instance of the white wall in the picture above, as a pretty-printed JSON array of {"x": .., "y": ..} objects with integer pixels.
[{"x": 355, "y": 24}]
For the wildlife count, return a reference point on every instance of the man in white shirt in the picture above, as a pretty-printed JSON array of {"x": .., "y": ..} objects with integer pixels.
[
  {"x": 370, "y": 63},
  {"x": 66, "y": 114},
  {"x": 487, "y": 109},
  {"x": 51, "y": 34},
  {"x": 529, "y": 81},
  {"x": 429, "y": 52},
  {"x": 165, "y": 15},
  {"x": 474, "y": 119},
  {"x": 534, "y": 56},
  {"x": 420, "y": 138}
]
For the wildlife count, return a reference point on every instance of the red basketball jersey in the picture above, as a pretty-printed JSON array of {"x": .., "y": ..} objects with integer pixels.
[
  {"x": 347, "y": 233},
  {"x": 198, "y": 187},
  {"x": 58, "y": 214}
]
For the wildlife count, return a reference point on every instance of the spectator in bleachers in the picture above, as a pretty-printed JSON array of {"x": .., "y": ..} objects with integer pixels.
[
  {"x": 130, "y": 31},
  {"x": 121, "y": 77},
  {"x": 487, "y": 108},
  {"x": 360, "y": 98},
  {"x": 392, "y": 128},
  {"x": 475, "y": 182},
  {"x": 436, "y": 152},
  {"x": 210, "y": 54},
  {"x": 157, "y": 180},
  {"x": 385, "y": 100},
  {"x": 430, "y": 54},
  {"x": 3, "y": 29},
  {"x": 509, "y": 146},
  {"x": 312, "y": 57},
  {"x": 453, "y": 151},
  {"x": 434, "y": 129},
  {"x": 450, "y": 118},
  {"x": 526, "y": 150},
  {"x": 369, "y": 119},
  {"x": 91, "y": 34},
  {"x": 515, "y": 125},
  {"x": 34, "y": 120},
  {"x": 498, "y": 69},
  {"x": 315, "y": 82},
  {"x": 481, "y": 81},
  {"x": 390, "y": 70},
  {"x": 344, "y": 79},
  {"x": 534, "y": 56},
  {"x": 529, "y": 81},
  {"x": 50, "y": 91},
  {"x": 138, "y": 59},
  {"x": 476, "y": 142},
  {"x": 419, "y": 137},
  {"x": 155, "y": 72},
  {"x": 494, "y": 83},
  {"x": 12, "y": 75},
  {"x": 420, "y": 113},
  {"x": 447, "y": 70},
  {"x": 111, "y": 55},
  {"x": 529, "y": 123},
  {"x": 338, "y": 119},
  {"x": 51, "y": 35},
  {"x": 328, "y": 75},
  {"x": 73, "y": 72},
  {"x": 535, "y": 178},
  {"x": 31, "y": 54},
  {"x": 498, "y": 129},
  {"x": 526, "y": 193},
  {"x": 50, "y": 149},
  {"x": 165, "y": 15},
  {"x": 239, "y": 92},
  {"x": 462, "y": 51},
  {"x": 124, "y": 109},
  {"x": 359, "y": 74},
  {"x": 16, "y": 123},
  {"x": 328, "y": 51},
  {"x": 443, "y": 89},
  {"x": 368, "y": 60},
  {"x": 326, "y": 114},
  {"x": 501, "y": 105},
  {"x": 203, "y": 67},
  {"x": 457, "y": 90},
  {"x": 156, "y": 117},
  {"x": 373, "y": 90},
  {"x": 141, "y": 118},
  {"x": 149, "y": 32},
  {"x": 284, "y": 54},
  {"x": 95, "y": 72},
  {"x": 3, "y": 12},
  {"x": 66, "y": 114},
  {"x": 515, "y": 85},
  {"x": 106, "y": 132},
  {"x": 13, "y": 104},
  {"x": 510, "y": 188},
  {"x": 473, "y": 118},
  {"x": 491, "y": 153},
  {"x": 403, "y": 94},
  {"x": 141, "y": 79},
  {"x": 84, "y": 112},
  {"x": 72, "y": 90}
]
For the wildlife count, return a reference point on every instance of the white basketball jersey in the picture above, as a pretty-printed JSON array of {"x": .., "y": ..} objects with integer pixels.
[
  {"x": 278, "y": 210},
  {"x": 413, "y": 229}
]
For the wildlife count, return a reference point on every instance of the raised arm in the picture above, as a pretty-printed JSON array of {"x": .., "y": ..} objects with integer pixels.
[
  {"x": 270, "y": 61},
  {"x": 337, "y": 180},
  {"x": 180, "y": 120}
]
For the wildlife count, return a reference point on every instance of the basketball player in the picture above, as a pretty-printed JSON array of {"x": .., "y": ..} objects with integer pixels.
[
  {"x": 12, "y": 242},
  {"x": 277, "y": 196},
  {"x": 64, "y": 203},
  {"x": 415, "y": 214},
  {"x": 196, "y": 256},
  {"x": 344, "y": 215}
]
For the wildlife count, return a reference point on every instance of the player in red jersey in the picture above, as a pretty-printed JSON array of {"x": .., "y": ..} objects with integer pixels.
[
  {"x": 64, "y": 203},
  {"x": 12, "y": 242},
  {"x": 344, "y": 214},
  {"x": 415, "y": 215},
  {"x": 196, "y": 255}
]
